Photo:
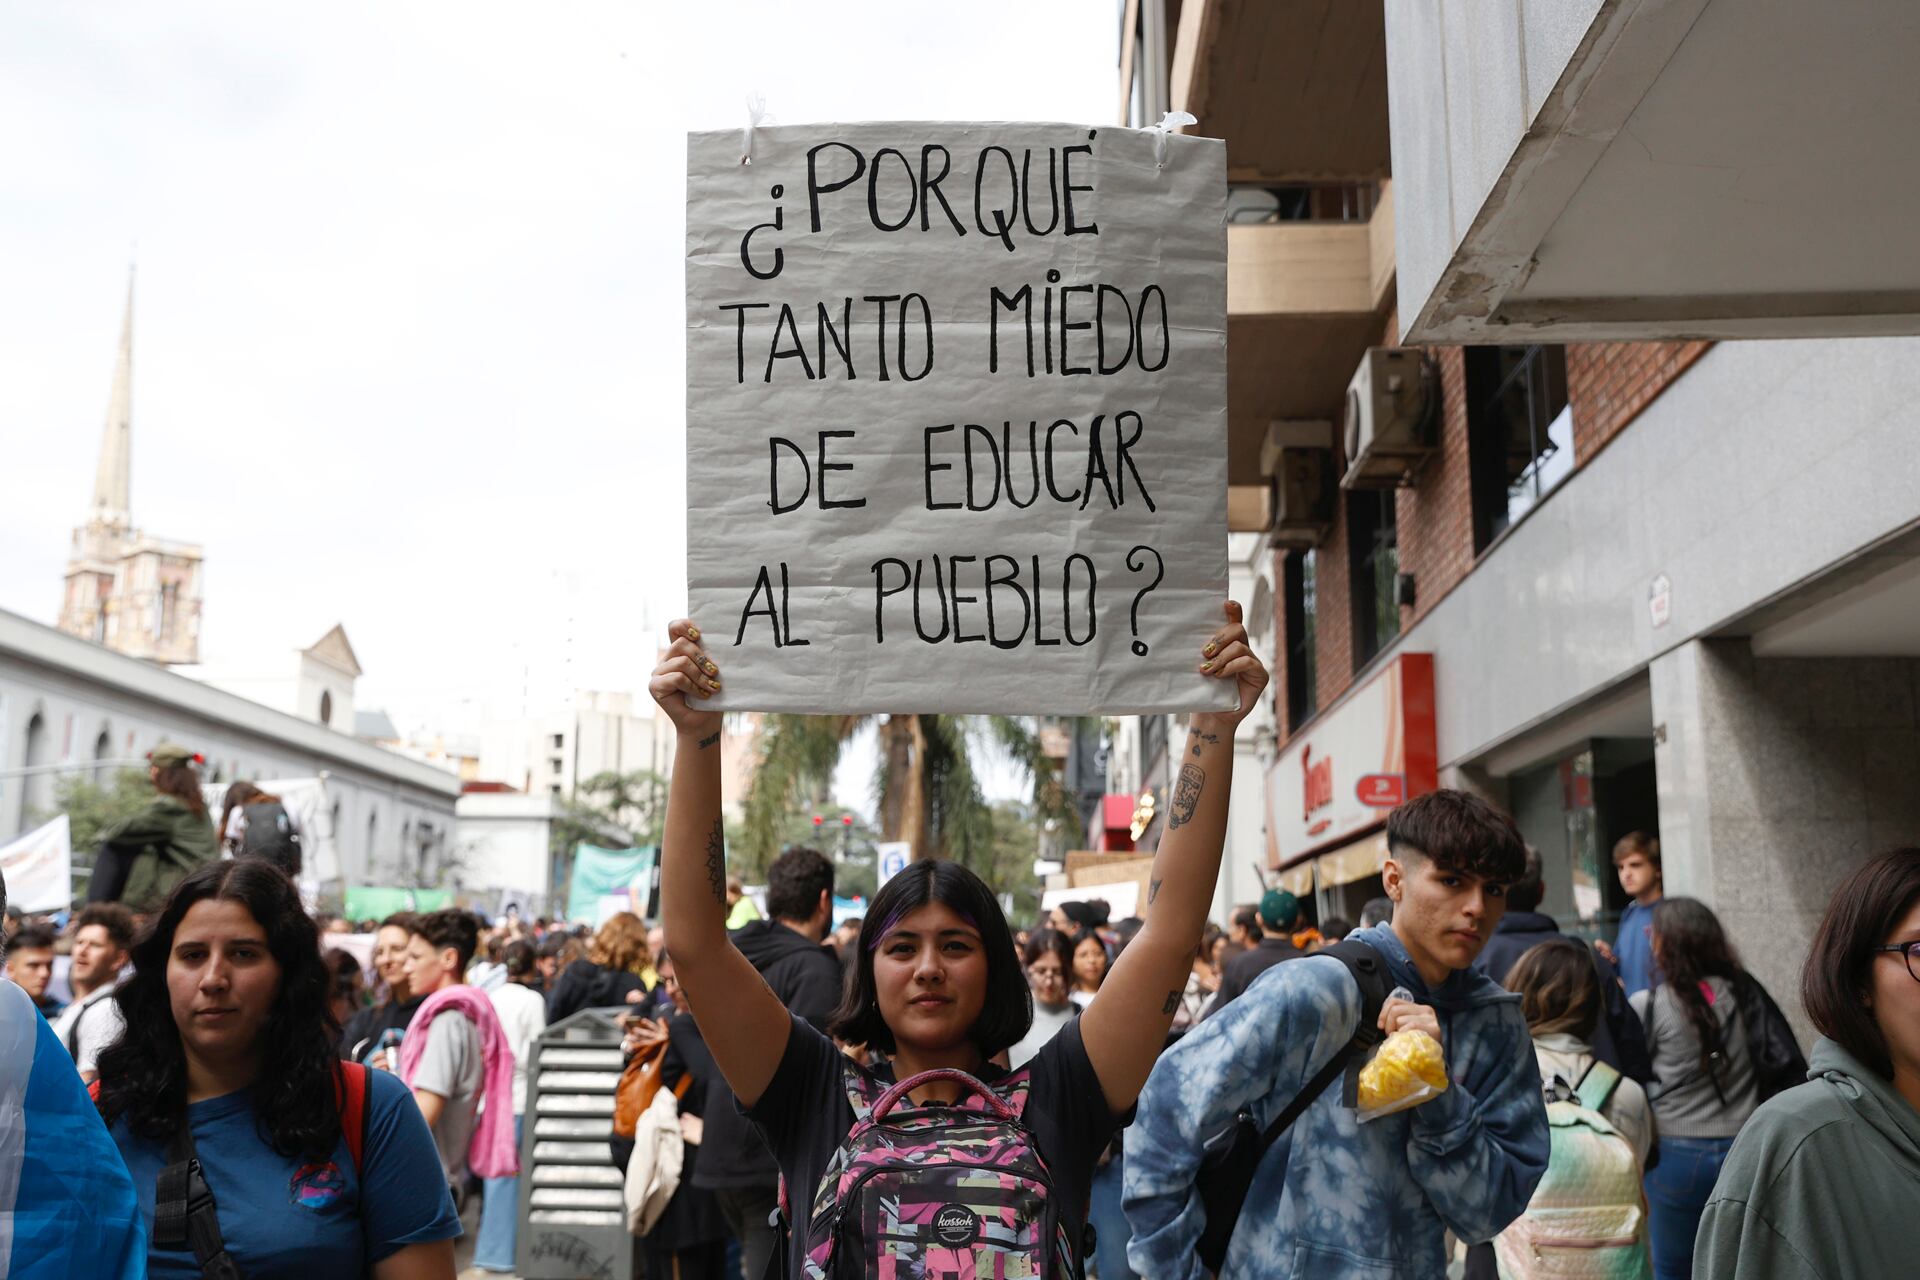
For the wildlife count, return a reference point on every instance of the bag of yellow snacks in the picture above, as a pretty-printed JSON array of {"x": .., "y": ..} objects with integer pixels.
[{"x": 1406, "y": 1070}]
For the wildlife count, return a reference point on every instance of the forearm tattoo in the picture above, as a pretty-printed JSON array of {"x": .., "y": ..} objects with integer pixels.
[
  {"x": 717, "y": 862},
  {"x": 1186, "y": 794},
  {"x": 709, "y": 740},
  {"x": 1211, "y": 739},
  {"x": 1173, "y": 1002},
  {"x": 1153, "y": 890}
]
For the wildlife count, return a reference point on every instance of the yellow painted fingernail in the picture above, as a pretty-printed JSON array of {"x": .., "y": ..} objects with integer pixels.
[
  {"x": 1210, "y": 648},
  {"x": 1206, "y": 666},
  {"x": 711, "y": 669},
  {"x": 716, "y": 686},
  {"x": 693, "y": 633}
]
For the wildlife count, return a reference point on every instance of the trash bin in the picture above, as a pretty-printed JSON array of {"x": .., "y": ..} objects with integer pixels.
[{"x": 572, "y": 1221}]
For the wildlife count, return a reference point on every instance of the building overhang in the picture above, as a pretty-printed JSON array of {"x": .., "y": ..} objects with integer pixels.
[
  {"x": 1654, "y": 169},
  {"x": 1296, "y": 88},
  {"x": 1304, "y": 302}
]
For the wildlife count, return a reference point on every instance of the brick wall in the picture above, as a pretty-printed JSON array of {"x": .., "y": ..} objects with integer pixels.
[
  {"x": 1609, "y": 383},
  {"x": 1435, "y": 517}
]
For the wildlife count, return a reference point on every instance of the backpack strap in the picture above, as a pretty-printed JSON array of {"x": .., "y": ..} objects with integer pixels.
[
  {"x": 350, "y": 1089},
  {"x": 861, "y": 1091},
  {"x": 1596, "y": 1086},
  {"x": 184, "y": 1212},
  {"x": 1370, "y": 975}
]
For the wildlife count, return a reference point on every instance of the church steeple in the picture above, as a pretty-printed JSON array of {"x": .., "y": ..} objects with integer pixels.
[
  {"x": 124, "y": 589},
  {"x": 112, "y": 499}
]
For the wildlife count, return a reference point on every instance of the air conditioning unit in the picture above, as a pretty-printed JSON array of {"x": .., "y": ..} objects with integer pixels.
[
  {"x": 1392, "y": 406},
  {"x": 1298, "y": 459}
]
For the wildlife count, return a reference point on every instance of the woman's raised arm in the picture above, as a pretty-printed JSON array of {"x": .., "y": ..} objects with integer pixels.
[
  {"x": 1125, "y": 1027},
  {"x": 742, "y": 1021}
]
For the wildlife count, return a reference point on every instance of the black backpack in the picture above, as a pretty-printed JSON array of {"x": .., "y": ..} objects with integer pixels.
[
  {"x": 269, "y": 834},
  {"x": 1230, "y": 1157},
  {"x": 1777, "y": 1062}
]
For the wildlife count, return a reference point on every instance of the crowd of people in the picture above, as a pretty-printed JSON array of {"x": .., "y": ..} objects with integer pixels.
[{"x": 201, "y": 1083}]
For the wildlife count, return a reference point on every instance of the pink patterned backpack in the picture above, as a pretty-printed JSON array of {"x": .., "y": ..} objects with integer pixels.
[{"x": 936, "y": 1192}]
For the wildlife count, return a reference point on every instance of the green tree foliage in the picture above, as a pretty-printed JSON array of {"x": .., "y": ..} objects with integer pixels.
[
  {"x": 611, "y": 810},
  {"x": 92, "y": 805},
  {"x": 924, "y": 789}
]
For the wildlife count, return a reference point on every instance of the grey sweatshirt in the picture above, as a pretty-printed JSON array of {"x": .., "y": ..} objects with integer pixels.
[
  {"x": 1822, "y": 1184},
  {"x": 1686, "y": 1103}
]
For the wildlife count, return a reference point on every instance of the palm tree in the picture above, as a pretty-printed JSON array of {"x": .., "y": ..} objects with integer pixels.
[{"x": 925, "y": 788}]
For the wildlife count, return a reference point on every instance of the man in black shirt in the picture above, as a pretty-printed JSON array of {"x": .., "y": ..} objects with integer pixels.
[
  {"x": 1279, "y": 912},
  {"x": 788, "y": 951}
]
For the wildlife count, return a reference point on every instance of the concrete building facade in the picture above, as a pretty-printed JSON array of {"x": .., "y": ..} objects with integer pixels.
[
  {"x": 1669, "y": 585},
  {"x": 68, "y": 705}
]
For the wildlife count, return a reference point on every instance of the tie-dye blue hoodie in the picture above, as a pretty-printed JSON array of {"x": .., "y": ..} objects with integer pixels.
[{"x": 1335, "y": 1199}]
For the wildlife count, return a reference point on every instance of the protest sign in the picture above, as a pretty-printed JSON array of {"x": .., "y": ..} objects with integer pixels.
[
  {"x": 39, "y": 868},
  {"x": 956, "y": 417}
]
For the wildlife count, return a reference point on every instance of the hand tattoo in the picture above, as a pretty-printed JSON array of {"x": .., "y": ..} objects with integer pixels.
[
  {"x": 1186, "y": 794},
  {"x": 1153, "y": 890},
  {"x": 717, "y": 862},
  {"x": 1211, "y": 739},
  {"x": 709, "y": 740},
  {"x": 1173, "y": 1002}
]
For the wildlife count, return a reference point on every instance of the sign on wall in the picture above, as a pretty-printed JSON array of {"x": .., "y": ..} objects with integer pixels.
[
  {"x": 956, "y": 416},
  {"x": 1375, "y": 750}
]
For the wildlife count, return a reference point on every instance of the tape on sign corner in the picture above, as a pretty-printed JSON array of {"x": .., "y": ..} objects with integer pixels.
[{"x": 1168, "y": 123}]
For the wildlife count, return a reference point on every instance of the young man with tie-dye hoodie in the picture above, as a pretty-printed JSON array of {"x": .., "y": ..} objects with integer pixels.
[{"x": 1335, "y": 1199}]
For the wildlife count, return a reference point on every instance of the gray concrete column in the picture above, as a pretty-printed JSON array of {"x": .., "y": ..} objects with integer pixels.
[{"x": 1778, "y": 776}]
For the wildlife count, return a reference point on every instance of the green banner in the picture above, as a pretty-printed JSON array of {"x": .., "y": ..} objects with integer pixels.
[
  {"x": 371, "y": 902},
  {"x": 599, "y": 872}
]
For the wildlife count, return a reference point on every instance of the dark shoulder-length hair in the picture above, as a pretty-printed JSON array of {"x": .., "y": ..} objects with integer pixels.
[
  {"x": 1837, "y": 979},
  {"x": 144, "y": 1075},
  {"x": 1007, "y": 1013}
]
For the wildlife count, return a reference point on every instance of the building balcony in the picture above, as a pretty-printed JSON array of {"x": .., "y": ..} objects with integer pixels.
[
  {"x": 1653, "y": 169},
  {"x": 1296, "y": 88},
  {"x": 1305, "y": 299}
]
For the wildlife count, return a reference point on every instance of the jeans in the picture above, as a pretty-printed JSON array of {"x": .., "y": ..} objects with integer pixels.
[
  {"x": 1110, "y": 1229},
  {"x": 494, "y": 1243},
  {"x": 1677, "y": 1191},
  {"x": 746, "y": 1210}
]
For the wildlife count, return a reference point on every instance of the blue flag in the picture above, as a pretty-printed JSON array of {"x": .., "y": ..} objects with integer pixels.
[{"x": 67, "y": 1207}]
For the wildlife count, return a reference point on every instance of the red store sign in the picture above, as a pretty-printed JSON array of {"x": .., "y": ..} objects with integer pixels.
[{"x": 1373, "y": 751}]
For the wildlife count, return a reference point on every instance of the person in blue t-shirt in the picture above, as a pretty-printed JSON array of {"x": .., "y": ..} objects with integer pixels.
[
  {"x": 229, "y": 1030},
  {"x": 1636, "y": 860}
]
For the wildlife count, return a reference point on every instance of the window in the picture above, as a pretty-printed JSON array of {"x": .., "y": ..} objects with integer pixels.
[
  {"x": 1519, "y": 433},
  {"x": 555, "y": 762},
  {"x": 1373, "y": 550},
  {"x": 326, "y": 707},
  {"x": 559, "y": 741},
  {"x": 1303, "y": 693}
]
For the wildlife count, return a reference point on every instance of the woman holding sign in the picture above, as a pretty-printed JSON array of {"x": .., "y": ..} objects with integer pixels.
[{"x": 977, "y": 1167}]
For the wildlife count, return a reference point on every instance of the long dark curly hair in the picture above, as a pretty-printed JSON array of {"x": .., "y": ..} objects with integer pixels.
[{"x": 144, "y": 1075}]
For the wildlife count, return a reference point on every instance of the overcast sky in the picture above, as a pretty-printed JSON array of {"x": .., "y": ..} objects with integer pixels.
[{"x": 408, "y": 349}]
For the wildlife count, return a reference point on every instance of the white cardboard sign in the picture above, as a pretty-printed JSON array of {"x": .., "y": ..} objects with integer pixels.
[{"x": 956, "y": 417}]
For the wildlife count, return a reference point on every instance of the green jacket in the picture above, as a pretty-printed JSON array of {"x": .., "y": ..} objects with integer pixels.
[
  {"x": 167, "y": 841},
  {"x": 1822, "y": 1183}
]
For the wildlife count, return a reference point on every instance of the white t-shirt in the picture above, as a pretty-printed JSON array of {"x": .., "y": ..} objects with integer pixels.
[
  {"x": 523, "y": 1016},
  {"x": 85, "y": 1027}
]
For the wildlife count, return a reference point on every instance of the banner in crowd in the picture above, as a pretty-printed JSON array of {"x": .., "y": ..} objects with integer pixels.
[
  {"x": 373, "y": 902},
  {"x": 956, "y": 416},
  {"x": 600, "y": 873},
  {"x": 39, "y": 868}
]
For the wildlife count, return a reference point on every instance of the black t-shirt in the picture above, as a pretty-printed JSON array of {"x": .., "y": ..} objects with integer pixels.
[
  {"x": 360, "y": 1039},
  {"x": 805, "y": 1116}
]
